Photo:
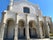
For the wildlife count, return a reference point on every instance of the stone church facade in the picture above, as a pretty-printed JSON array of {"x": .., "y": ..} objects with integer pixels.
[{"x": 24, "y": 21}]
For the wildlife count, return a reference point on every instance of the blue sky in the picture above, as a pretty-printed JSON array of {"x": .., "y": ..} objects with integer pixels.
[{"x": 46, "y": 6}]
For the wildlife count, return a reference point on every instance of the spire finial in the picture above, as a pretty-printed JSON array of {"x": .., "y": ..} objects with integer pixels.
[{"x": 11, "y": 3}]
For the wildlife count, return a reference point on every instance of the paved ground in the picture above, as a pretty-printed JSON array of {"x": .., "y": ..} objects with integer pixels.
[
  {"x": 36, "y": 39},
  {"x": 40, "y": 39},
  {"x": 51, "y": 39}
]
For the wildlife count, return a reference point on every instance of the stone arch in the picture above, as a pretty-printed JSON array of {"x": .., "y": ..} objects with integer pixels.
[
  {"x": 21, "y": 23},
  {"x": 9, "y": 29},
  {"x": 21, "y": 29},
  {"x": 32, "y": 29},
  {"x": 31, "y": 23}
]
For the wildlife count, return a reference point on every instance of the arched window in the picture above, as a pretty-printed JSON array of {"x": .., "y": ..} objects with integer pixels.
[{"x": 26, "y": 10}]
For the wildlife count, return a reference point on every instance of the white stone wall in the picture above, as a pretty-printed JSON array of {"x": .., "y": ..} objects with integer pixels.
[
  {"x": 17, "y": 14},
  {"x": 9, "y": 15}
]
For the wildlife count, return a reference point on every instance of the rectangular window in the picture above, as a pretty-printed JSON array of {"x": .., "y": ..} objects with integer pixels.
[{"x": 26, "y": 10}]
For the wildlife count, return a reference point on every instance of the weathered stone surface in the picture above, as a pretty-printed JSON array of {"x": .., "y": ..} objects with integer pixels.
[{"x": 22, "y": 22}]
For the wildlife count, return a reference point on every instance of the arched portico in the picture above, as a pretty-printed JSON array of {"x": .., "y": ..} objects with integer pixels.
[
  {"x": 9, "y": 30},
  {"x": 21, "y": 29},
  {"x": 32, "y": 29}
]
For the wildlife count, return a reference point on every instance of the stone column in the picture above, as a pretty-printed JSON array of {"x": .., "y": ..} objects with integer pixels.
[
  {"x": 16, "y": 32},
  {"x": 46, "y": 28},
  {"x": 39, "y": 30},
  {"x": 16, "y": 29},
  {"x": 2, "y": 31},
  {"x": 51, "y": 27},
  {"x": 27, "y": 30}
]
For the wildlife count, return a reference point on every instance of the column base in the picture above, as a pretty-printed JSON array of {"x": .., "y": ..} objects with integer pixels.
[
  {"x": 1, "y": 38},
  {"x": 15, "y": 38},
  {"x": 46, "y": 36},
  {"x": 28, "y": 39}
]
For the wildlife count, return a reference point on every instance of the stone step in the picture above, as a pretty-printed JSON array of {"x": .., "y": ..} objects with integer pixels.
[
  {"x": 51, "y": 37},
  {"x": 22, "y": 39},
  {"x": 30, "y": 39},
  {"x": 39, "y": 39},
  {"x": 35, "y": 39},
  {"x": 8, "y": 39}
]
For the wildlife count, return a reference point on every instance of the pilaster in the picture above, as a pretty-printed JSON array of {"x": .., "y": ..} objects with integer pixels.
[
  {"x": 16, "y": 29},
  {"x": 51, "y": 25},
  {"x": 16, "y": 32},
  {"x": 27, "y": 32},
  {"x": 2, "y": 31},
  {"x": 46, "y": 28},
  {"x": 39, "y": 28},
  {"x": 27, "y": 29}
]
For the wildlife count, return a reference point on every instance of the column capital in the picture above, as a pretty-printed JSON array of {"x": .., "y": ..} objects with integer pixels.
[
  {"x": 44, "y": 16},
  {"x": 16, "y": 13},
  {"x": 37, "y": 16},
  {"x": 4, "y": 12},
  {"x": 16, "y": 24},
  {"x": 3, "y": 23},
  {"x": 3, "y": 29}
]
